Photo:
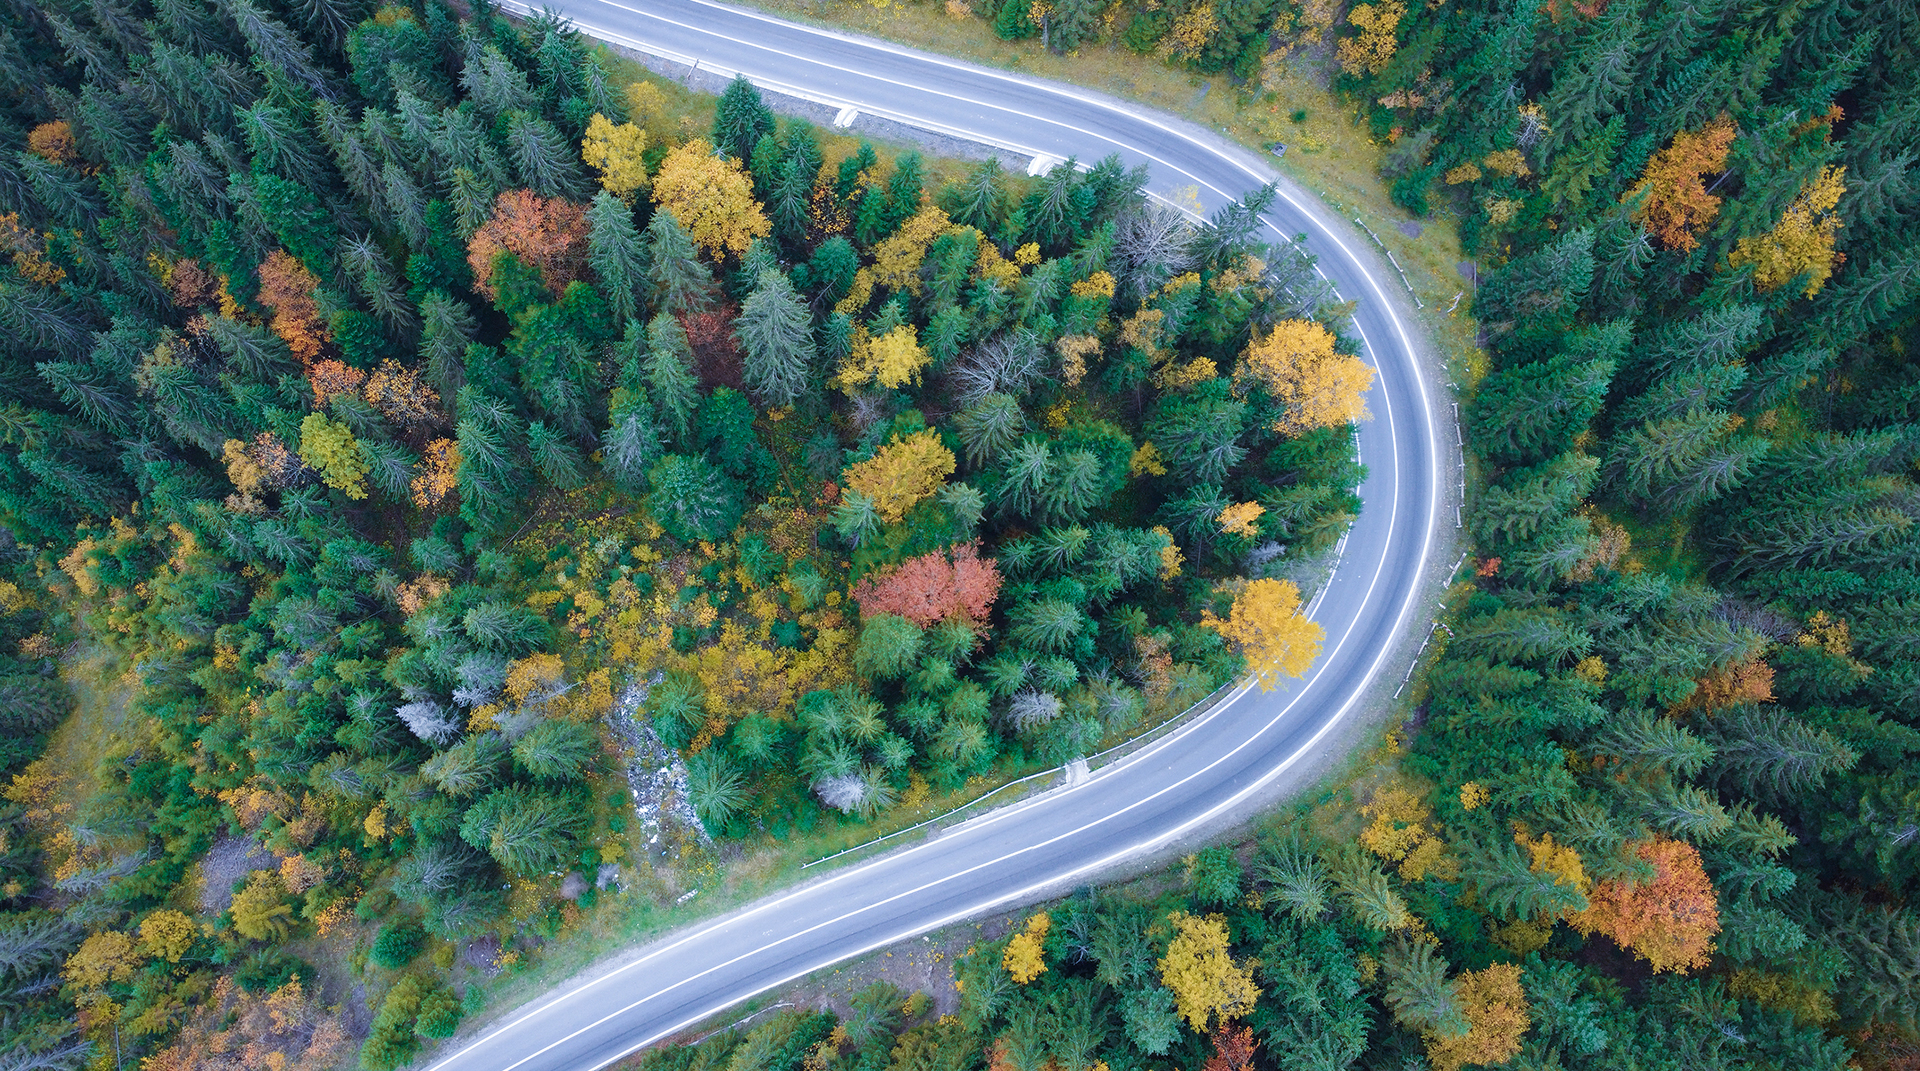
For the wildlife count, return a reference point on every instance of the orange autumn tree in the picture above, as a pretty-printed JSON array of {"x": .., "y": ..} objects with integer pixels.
[
  {"x": 549, "y": 234},
  {"x": 437, "y": 475},
  {"x": 1670, "y": 921},
  {"x": 400, "y": 395},
  {"x": 286, "y": 287},
  {"x": 1315, "y": 386},
  {"x": 943, "y": 585},
  {"x": 1497, "y": 1014},
  {"x": 1277, "y": 639},
  {"x": 331, "y": 378},
  {"x": 1676, "y": 205},
  {"x": 54, "y": 142},
  {"x": 1233, "y": 1047}
]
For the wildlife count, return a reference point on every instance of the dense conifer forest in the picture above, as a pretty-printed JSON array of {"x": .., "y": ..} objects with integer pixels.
[
  {"x": 418, "y": 418},
  {"x": 408, "y": 414}
]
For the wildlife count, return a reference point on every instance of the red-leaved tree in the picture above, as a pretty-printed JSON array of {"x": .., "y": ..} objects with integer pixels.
[{"x": 934, "y": 587}]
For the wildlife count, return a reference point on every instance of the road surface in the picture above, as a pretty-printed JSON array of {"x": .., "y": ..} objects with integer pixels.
[{"x": 1215, "y": 769}]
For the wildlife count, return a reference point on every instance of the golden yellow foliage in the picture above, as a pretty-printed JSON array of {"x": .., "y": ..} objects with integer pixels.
[
  {"x": 1170, "y": 556},
  {"x": 1142, "y": 331},
  {"x": 167, "y": 934},
  {"x": 1802, "y": 242},
  {"x": 991, "y": 265},
  {"x": 102, "y": 959},
  {"x": 1510, "y": 162},
  {"x": 1473, "y": 794},
  {"x": 1192, "y": 30},
  {"x": 1317, "y": 387},
  {"x": 54, "y": 142},
  {"x": 1372, "y": 49},
  {"x": 897, "y": 258},
  {"x": 1497, "y": 1014},
  {"x": 904, "y": 472},
  {"x": 438, "y": 473},
  {"x": 1075, "y": 351},
  {"x": 1559, "y": 860},
  {"x": 1467, "y": 172},
  {"x": 1177, "y": 376},
  {"x": 1241, "y": 519},
  {"x": 1146, "y": 460},
  {"x": 1402, "y": 833},
  {"x": 1208, "y": 986},
  {"x": 1276, "y": 638},
  {"x": 260, "y": 911},
  {"x": 1023, "y": 958},
  {"x": 246, "y": 473},
  {"x": 1674, "y": 203},
  {"x": 712, "y": 198},
  {"x": 1098, "y": 285},
  {"x": 615, "y": 150},
  {"x": 893, "y": 360}
]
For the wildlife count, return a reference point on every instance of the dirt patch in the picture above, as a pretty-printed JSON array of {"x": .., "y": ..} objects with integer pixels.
[{"x": 229, "y": 860}]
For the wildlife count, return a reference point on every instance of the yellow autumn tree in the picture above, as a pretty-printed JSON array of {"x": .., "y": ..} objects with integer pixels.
[
  {"x": 897, "y": 258},
  {"x": 1316, "y": 387},
  {"x": 1193, "y": 29},
  {"x": 905, "y": 471},
  {"x": 1369, "y": 51},
  {"x": 614, "y": 150},
  {"x": 893, "y": 360},
  {"x": 1802, "y": 242},
  {"x": 329, "y": 448},
  {"x": 102, "y": 959},
  {"x": 260, "y": 911},
  {"x": 1277, "y": 639},
  {"x": 1241, "y": 519},
  {"x": 1024, "y": 958},
  {"x": 167, "y": 934},
  {"x": 437, "y": 475},
  {"x": 1497, "y": 1013},
  {"x": 1208, "y": 986},
  {"x": 712, "y": 198}
]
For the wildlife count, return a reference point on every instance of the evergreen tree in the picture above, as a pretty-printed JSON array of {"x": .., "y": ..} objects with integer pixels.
[
  {"x": 681, "y": 283},
  {"x": 773, "y": 328},
  {"x": 740, "y": 120},
  {"x": 615, "y": 252}
]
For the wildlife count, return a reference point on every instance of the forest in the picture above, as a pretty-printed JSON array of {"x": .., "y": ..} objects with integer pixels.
[{"x": 416, "y": 411}]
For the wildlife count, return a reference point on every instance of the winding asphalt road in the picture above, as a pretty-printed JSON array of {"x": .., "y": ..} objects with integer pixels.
[{"x": 1217, "y": 768}]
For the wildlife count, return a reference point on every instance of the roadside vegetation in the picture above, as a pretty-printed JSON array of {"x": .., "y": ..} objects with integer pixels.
[
  {"x": 475, "y": 494},
  {"x": 417, "y": 436},
  {"x": 1657, "y": 806}
]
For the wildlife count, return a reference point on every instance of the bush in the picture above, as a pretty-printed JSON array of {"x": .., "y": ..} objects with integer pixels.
[
  {"x": 439, "y": 1015},
  {"x": 398, "y": 944}
]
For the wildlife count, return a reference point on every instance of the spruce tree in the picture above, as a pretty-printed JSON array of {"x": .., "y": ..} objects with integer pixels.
[
  {"x": 773, "y": 329},
  {"x": 740, "y": 120}
]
